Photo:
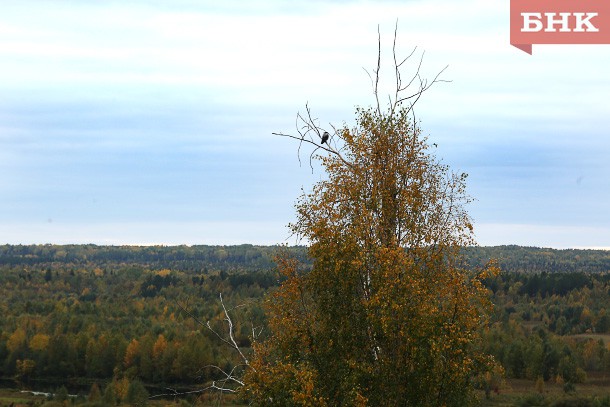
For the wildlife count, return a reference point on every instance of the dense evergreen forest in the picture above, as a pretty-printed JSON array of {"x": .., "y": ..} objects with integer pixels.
[{"x": 106, "y": 318}]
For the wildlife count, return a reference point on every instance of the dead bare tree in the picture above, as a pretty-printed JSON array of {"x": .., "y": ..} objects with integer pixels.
[{"x": 230, "y": 381}]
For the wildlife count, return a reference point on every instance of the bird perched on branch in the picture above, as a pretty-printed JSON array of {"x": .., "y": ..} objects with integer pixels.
[{"x": 325, "y": 137}]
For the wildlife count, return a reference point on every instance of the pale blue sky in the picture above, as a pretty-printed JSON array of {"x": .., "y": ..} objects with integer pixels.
[{"x": 149, "y": 122}]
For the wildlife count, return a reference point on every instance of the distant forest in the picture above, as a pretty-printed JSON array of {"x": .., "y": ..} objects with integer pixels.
[
  {"x": 103, "y": 318},
  {"x": 249, "y": 257}
]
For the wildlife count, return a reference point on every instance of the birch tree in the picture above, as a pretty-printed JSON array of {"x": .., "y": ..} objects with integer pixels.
[{"x": 387, "y": 315}]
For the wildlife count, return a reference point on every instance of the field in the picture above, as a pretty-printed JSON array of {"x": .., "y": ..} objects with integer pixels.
[
  {"x": 12, "y": 397},
  {"x": 519, "y": 392}
]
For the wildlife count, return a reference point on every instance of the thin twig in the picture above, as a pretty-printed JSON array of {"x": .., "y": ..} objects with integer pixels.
[{"x": 378, "y": 70}]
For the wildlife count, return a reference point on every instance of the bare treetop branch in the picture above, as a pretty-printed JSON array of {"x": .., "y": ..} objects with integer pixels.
[{"x": 406, "y": 94}]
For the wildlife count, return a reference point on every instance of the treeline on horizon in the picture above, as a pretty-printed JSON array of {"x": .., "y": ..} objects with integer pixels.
[
  {"x": 252, "y": 257},
  {"x": 111, "y": 316}
]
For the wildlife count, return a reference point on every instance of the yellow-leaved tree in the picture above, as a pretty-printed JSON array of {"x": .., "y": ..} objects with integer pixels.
[{"x": 388, "y": 315}]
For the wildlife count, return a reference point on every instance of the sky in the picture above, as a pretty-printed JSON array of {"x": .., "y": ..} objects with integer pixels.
[{"x": 150, "y": 122}]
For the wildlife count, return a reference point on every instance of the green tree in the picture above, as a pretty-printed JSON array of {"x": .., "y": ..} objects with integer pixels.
[
  {"x": 25, "y": 368},
  {"x": 61, "y": 394},
  {"x": 17, "y": 341},
  {"x": 137, "y": 395},
  {"x": 388, "y": 314},
  {"x": 95, "y": 394},
  {"x": 109, "y": 398}
]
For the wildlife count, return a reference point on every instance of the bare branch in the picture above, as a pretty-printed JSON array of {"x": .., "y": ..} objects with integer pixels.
[
  {"x": 175, "y": 393},
  {"x": 229, "y": 376},
  {"x": 231, "y": 336},
  {"x": 231, "y": 381},
  {"x": 227, "y": 318},
  {"x": 423, "y": 85},
  {"x": 407, "y": 58},
  {"x": 256, "y": 331},
  {"x": 216, "y": 385},
  {"x": 310, "y": 132},
  {"x": 301, "y": 143},
  {"x": 312, "y": 121},
  {"x": 302, "y": 137},
  {"x": 407, "y": 93},
  {"x": 371, "y": 78},
  {"x": 304, "y": 140},
  {"x": 376, "y": 92},
  {"x": 401, "y": 87},
  {"x": 398, "y": 65}
]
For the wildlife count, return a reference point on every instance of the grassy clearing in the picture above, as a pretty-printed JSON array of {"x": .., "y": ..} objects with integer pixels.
[
  {"x": 594, "y": 392},
  {"x": 17, "y": 399},
  {"x": 14, "y": 398}
]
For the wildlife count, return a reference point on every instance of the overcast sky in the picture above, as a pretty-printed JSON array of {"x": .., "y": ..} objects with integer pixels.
[{"x": 149, "y": 122}]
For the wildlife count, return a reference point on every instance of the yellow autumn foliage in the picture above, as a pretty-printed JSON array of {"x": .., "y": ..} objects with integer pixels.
[{"x": 388, "y": 315}]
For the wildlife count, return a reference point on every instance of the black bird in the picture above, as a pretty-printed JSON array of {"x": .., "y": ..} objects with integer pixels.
[{"x": 325, "y": 137}]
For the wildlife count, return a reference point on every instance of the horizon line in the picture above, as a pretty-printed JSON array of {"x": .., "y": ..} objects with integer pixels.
[{"x": 157, "y": 244}]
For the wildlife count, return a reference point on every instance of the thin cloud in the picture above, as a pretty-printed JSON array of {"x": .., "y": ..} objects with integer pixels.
[{"x": 161, "y": 113}]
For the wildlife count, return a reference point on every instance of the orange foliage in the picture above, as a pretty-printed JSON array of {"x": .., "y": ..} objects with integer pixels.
[
  {"x": 132, "y": 353},
  {"x": 159, "y": 347},
  {"x": 39, "y": 342}
]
